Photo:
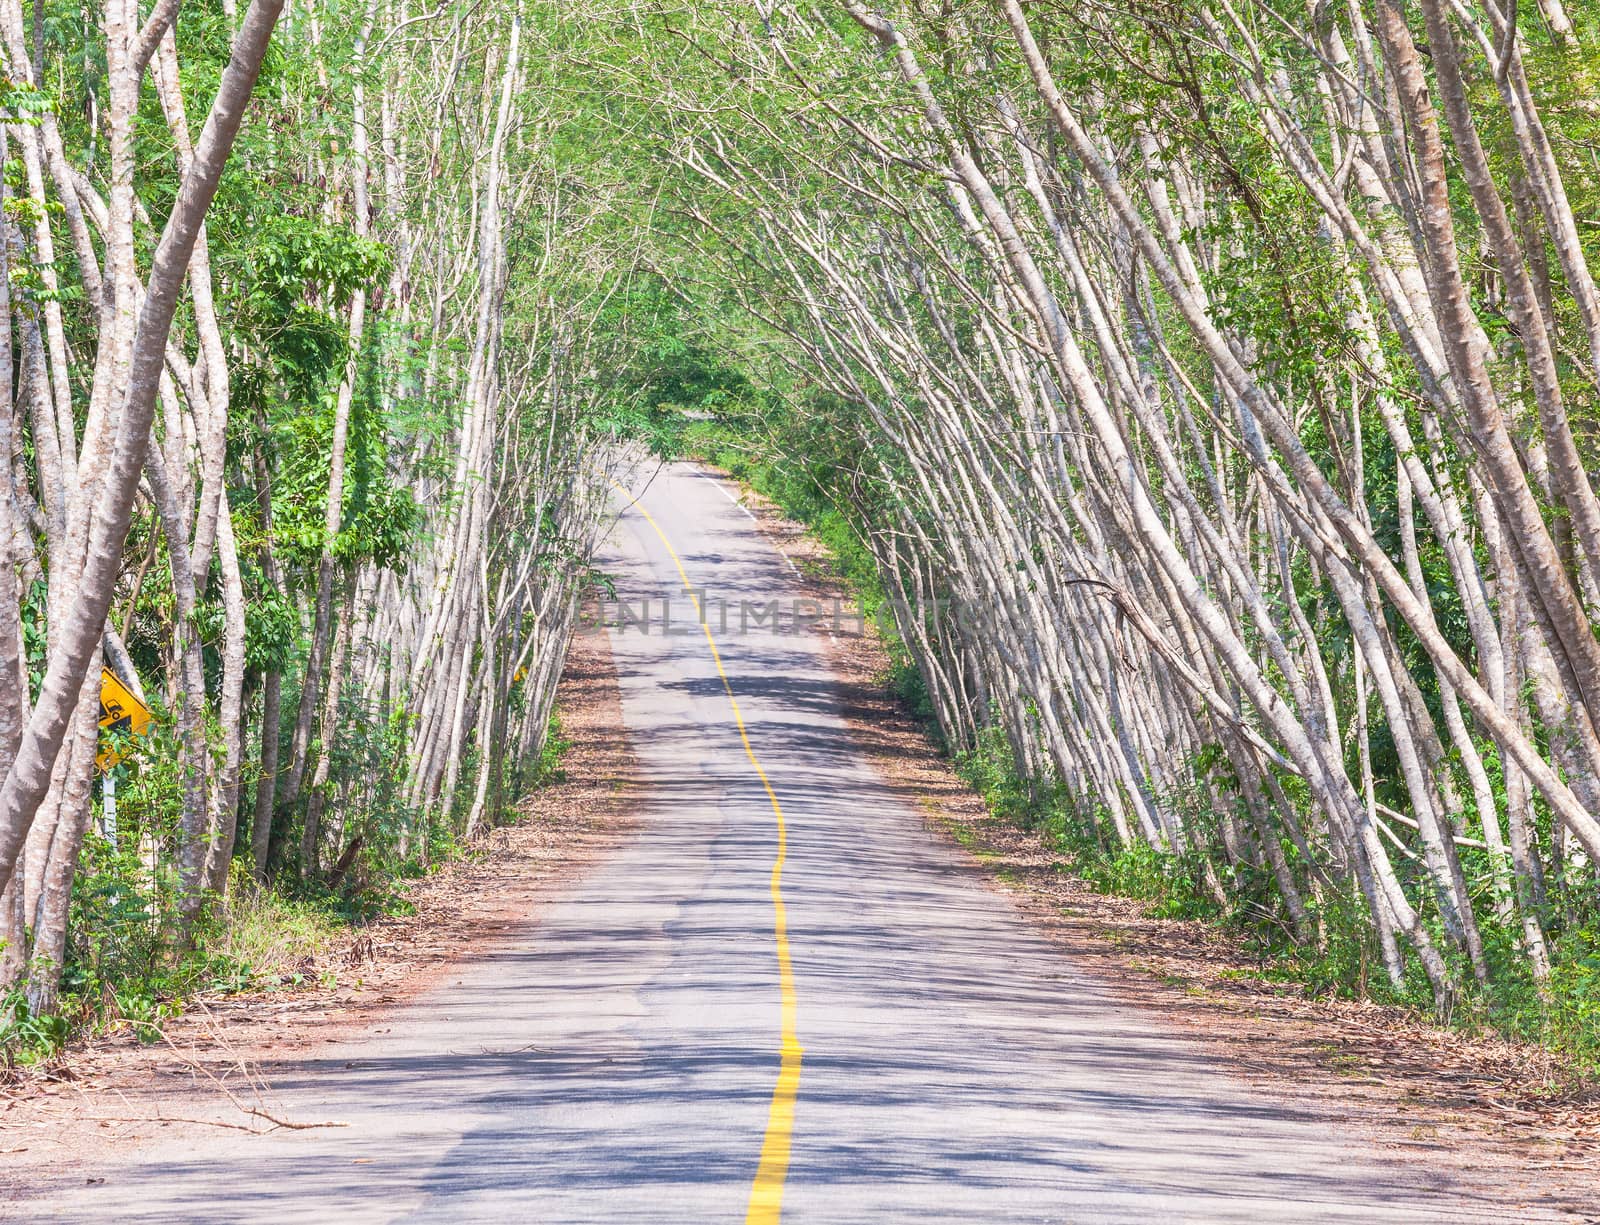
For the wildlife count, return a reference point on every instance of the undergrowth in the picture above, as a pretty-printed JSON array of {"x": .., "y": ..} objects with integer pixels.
[
  {"x": 1342, "y": 960},
  {"x": 126, "y": 968}
]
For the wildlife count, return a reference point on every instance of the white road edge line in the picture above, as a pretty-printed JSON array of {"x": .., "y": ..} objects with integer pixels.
[{"x": 723, "y": 490}]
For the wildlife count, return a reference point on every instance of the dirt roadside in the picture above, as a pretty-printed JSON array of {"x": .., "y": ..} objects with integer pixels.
[
  {"x": 1457, "y": 1102},
  {"x": 217, "y": 1065}
]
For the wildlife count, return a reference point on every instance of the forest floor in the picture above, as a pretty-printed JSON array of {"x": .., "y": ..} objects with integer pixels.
[
  {"x": 214, "y": 1066},
  {"x": 1458, "y": 1100}
]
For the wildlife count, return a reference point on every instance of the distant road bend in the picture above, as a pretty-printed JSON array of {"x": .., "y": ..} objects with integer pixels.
[{"x": 783, "y": 998}]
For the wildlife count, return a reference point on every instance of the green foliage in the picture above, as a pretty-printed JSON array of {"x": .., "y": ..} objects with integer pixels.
[
  {"x": 987, "y": 768},
  {"x": 548, "y": 768},
  {"x": 1564, "y": 1012},
  {"x": 270, "y": 938},
  {"x": 25, "y": 1038},
  {"x": 127, "y": 964},
  {"x": 665, "y": 382},
  {"x": 272, "y": 630},
  {"x": 34, "y": 641},
  {"x": 22, "y": 103},
  {"x": 1170, "y": 883}
]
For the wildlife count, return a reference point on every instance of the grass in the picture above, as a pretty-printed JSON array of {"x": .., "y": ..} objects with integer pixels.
[{"x": 273, "y": 937}]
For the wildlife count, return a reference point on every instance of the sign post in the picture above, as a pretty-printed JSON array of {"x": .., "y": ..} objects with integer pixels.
[{"x": 108, "y": 807}]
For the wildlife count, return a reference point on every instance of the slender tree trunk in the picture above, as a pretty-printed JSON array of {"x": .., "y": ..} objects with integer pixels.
[{"x": 79, "y": 642}]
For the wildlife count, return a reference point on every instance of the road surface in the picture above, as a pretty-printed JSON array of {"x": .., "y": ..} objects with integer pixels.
[{"x": 636, "y": 1055}]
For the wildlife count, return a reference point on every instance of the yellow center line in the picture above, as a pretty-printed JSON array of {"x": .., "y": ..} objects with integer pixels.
[{"x": 766, "y": 1191}]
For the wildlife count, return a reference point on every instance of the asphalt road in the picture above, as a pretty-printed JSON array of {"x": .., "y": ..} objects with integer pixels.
[{"x": 620, "y": 1059}]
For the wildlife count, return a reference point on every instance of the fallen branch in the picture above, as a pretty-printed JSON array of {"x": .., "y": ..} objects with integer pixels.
[
  {"x": 195, "y": 1065},
  {"x": 290, "y": 1124},
  {"x": 286, "y": 1124}
]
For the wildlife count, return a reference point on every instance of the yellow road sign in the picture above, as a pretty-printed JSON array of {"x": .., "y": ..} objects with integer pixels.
[{"x": 120, "y": 711}]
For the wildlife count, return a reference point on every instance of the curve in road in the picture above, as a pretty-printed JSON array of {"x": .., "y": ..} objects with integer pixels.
[{"x": 766, "y": 1191}]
